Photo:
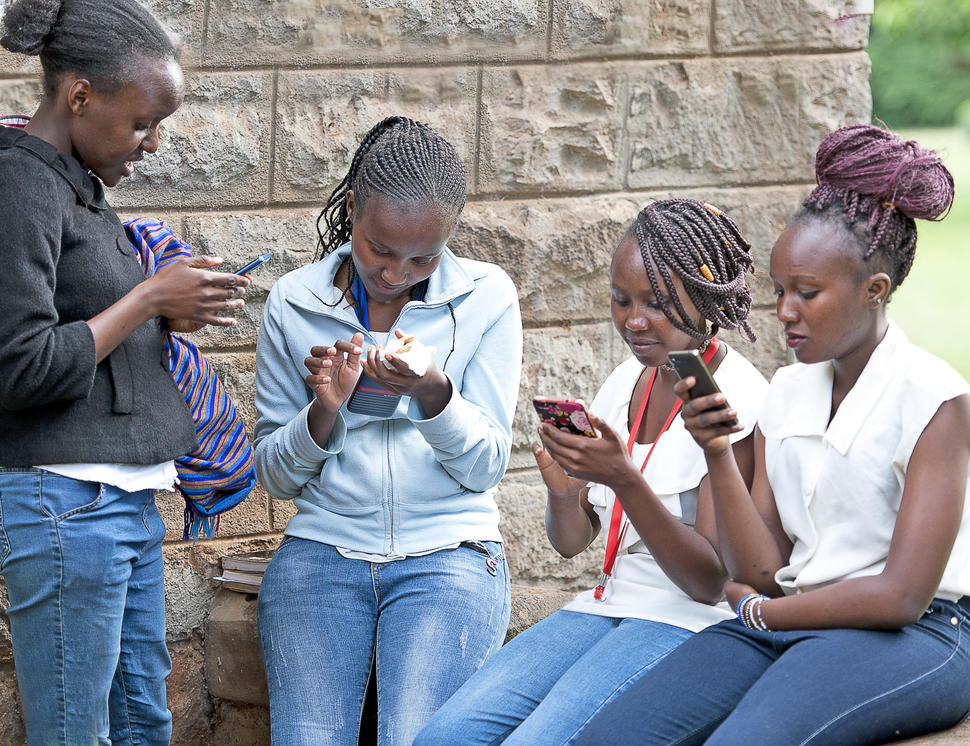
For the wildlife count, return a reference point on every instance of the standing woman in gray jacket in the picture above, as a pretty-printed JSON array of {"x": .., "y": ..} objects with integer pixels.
[{"x": 90, "y": 418}]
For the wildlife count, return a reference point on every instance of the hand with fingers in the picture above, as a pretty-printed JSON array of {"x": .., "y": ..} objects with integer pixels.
[
  {"x": 189, "y": 295},
  {"x": 602, "y": 459},
  {"x": 432, "y": 389},
  {"x": 710, "y": 427},
  {"x": 334, "y": 371}
]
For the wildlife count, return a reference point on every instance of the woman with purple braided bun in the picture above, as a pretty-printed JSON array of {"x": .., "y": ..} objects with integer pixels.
[{"x": 850, "y": 553}]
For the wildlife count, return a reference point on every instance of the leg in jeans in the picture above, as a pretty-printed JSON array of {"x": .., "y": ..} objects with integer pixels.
[
  {"x": 860, "y": 686},
  {"x": 684, "y": 698},
  {"x": 441, "y": 616},
  {"x": 546, "y": 683},
  {"x": 317, "y": 621},
  {"x": 137, "y": 702},
  {"x": 67, "y": 550},
  {"x": 610, "y": 667}
]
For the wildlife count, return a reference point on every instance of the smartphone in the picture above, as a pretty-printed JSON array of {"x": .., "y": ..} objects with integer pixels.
[
  {"x": 370, "y": 398},
  {"x": 257, "y": 262},
  {"x": 690, "y": 363},
  {"x": 568, "y": 415}
]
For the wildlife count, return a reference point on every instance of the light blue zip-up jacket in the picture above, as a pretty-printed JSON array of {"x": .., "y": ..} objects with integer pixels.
[{"x": 404, "y": 484}]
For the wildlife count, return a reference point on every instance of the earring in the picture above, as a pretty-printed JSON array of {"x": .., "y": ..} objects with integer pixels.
[{"x": 878, "y": 301}]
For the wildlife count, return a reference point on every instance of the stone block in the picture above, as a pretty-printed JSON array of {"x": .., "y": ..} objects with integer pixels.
[
  {"x": 557, "y": 251},
  {"x": 547, "y": 129},
  {"x": 531, "y": 605},
  {"x": 11, "y": 724},
  {"x": 188, "y": 699},
  {"x": 187, "y": 595},
  {"x": 237, "y": 724},
  {"x": 532, "y": 560},
  {"x": 764, "y": 119},
  {"x": 234, "y": 668},
  {"x": 18, "y": 64},
  {"x": 237, "y": 238},
  {"x": 741, "y": 26},
  {"x": 184, "y": 21},
  {"x": 598, "y": 28},
  {"x": 570, "y": 361},
  {"x": 322, "y": 117},
  {"x": 369, "y": 32},
  {"x": 19, "y": 95},
  {"x": 214, "y": 150}
]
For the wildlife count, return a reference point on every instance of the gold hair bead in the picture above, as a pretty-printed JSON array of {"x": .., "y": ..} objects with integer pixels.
[
  {"x": 713, "y": 209},
  {"x": 706, "y": 271},
  {"x": 888, "y": 204}
]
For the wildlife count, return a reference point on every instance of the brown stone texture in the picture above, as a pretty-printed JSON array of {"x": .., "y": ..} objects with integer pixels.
[
  {"x": 6, "y": 649},
  {"x": 597, "y": 28},
  {"x": 322, "y": 116},
  {"x": 215, "y": 150},
  {"x": 11, "y": 718},
  {"x": 308, "y": 32},
  {"x": 235, "y": 724},
  {"x": 764, "y": 119},
  {"x": 188, "y": 700},
  {"x": 784, "y": 24}
]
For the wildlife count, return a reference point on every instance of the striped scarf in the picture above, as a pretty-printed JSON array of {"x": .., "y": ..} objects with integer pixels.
[{"x": 219, "y": 474}]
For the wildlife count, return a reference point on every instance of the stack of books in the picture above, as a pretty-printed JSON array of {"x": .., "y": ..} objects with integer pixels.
[{"x": 244, "y": 572}]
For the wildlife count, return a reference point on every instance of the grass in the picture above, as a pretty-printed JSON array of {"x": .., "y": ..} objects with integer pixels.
[{"x": 933, "y": 304}]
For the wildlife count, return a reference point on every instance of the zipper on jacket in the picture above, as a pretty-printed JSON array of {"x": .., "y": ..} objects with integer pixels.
[{"x": 385, "y": 427}]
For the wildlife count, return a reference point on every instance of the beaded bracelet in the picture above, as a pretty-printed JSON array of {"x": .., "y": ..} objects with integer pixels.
[{"x": 749, "y": 612}]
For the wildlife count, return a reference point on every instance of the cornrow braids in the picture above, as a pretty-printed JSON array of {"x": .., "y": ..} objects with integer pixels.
[
  {"x": 403, "y": 160},
  {"x": 876, "y": 183},
  {"x": 101, "y": 40},
  {"x": 705, "y": 249}
]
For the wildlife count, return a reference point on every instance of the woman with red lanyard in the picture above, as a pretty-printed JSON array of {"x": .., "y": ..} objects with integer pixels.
[{"x": 677, "y": 276}]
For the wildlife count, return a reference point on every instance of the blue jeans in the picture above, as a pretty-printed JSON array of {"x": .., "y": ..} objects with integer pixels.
[
  {"x": 83, "y": 567},
  {"x": 731, "y": 685},
  {"x": 546, "y": 684},
  {"x": 427, "y": 622}
]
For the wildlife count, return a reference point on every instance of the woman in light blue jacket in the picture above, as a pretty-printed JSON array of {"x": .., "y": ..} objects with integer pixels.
[{"x": 394, "y": 556}]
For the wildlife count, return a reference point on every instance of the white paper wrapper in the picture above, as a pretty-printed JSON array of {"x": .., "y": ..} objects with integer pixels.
[{"x": 416, "y": 355}]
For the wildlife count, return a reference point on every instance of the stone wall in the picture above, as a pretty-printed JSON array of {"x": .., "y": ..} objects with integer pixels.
[{"x": 569, "y": 115}]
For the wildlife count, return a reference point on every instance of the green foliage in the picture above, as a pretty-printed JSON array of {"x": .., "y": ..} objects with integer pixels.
[{"x": 920, "y": 52}]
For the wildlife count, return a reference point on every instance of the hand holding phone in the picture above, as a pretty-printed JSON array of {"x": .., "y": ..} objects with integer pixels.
[
  {"x": 257, "y": 262},
  {"x": 568, "y": 415},
  {"x": 690, "y": 363}
]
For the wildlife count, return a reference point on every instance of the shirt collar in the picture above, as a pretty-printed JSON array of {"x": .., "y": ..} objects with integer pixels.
[
  {"x": 808, "y": 414},
  {"x": 88, "y": 188}
]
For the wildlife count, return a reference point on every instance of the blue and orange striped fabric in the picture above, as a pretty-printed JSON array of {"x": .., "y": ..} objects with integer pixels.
[{"x": 219, "y": 473}]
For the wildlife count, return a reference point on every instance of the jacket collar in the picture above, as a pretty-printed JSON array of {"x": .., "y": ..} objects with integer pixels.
[
  {"x": 808, "y": 414},
  {"x": 88, "y": 187},
  {"x": 313, "y": 287}
]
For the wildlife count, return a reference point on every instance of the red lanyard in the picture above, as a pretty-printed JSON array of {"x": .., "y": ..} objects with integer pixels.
[{"x": 616, "y": 534}]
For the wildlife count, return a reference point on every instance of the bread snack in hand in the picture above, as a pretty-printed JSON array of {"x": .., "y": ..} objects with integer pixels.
[{"x": 408, "y": 350}]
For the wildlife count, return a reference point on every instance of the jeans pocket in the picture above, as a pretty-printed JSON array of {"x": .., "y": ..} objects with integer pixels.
[{"x": 63, "y": 497}]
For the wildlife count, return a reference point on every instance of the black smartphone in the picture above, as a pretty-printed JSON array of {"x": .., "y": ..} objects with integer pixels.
[
  {"x": 370, "y": 398},
  {"x": 690, "y": 363},
  {"x": 257, "y": 262}
]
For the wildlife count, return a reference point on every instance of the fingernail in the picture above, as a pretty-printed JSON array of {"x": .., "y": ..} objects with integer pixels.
[{"x": 357, "y": 350}]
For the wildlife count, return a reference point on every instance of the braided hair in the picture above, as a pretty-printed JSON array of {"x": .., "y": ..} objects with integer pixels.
[
  {"x": 704, "y": 248},
  {"x": 403, "y": 160},
  {"x": 102, "y": 40},
  {"x": 874, "y": 184}
]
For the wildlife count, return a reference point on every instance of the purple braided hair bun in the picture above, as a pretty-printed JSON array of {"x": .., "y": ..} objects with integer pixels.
[{"x": 868, "y": 171}]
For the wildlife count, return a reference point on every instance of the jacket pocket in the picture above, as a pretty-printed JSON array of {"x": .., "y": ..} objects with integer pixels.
[{"x": 122, "y": 385}]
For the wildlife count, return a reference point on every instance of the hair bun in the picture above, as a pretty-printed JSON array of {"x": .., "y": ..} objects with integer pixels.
[
  {"x": 876, "y": 163},
  {"x": 27, "y": 24}
]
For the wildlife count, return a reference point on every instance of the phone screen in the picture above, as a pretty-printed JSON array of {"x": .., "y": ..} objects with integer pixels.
[
  {"x": 568, "y": 415},
  {"x": 690, "y": 363},
  {"x": 370, "y": 398}
]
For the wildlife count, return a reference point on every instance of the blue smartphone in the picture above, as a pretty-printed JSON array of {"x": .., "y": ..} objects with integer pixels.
[
  {"x": 257, "y": 262},
  {"x": 370, "y": 398}
]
